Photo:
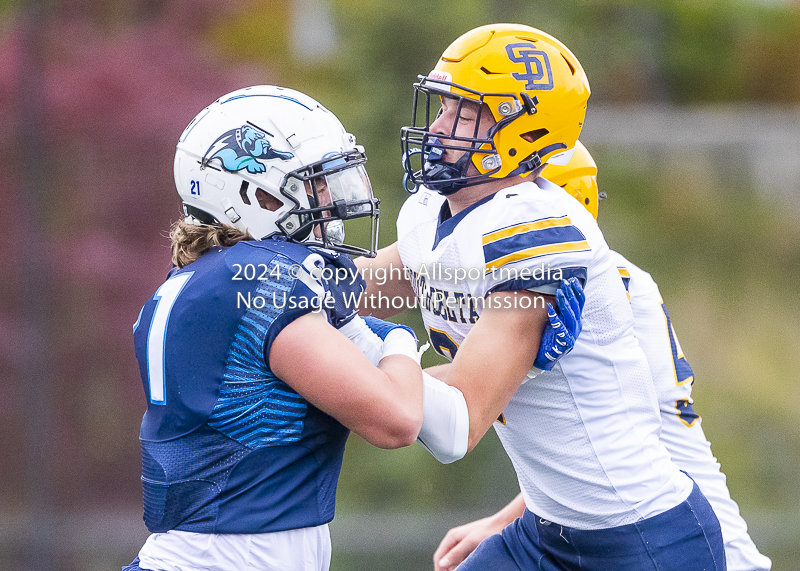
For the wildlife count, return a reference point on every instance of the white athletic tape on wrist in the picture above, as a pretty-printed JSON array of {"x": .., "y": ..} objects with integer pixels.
[
  {"x": 401, "y": 342},
  {"x": 445, "y": 421},
  {"x": 359, "y": 333}
]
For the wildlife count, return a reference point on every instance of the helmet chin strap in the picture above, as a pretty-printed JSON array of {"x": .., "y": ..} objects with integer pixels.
[
  {"x": 449, "y": 178},
  {"x": 201, "y": 216},
  {"x": 441, "y": 176}
]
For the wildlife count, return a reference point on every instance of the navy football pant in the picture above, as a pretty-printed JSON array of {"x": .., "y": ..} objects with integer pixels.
[{"x": 685, "y": 538}]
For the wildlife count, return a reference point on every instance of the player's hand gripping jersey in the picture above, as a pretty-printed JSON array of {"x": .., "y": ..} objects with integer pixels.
[
  {"x": 583, "y": 437},
  {"x": 227, "y": 447},
  {"x": 681, "y": 432}
]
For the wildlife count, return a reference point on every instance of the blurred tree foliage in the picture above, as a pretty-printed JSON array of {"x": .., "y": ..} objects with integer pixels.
[
  {"x": 669, "y": 51},
  {"x": 119, "y": 86}
]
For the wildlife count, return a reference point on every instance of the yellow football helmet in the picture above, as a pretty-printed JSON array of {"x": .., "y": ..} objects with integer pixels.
[
  {"x": 578, "y": 177},
  {"x": 534, "y": 87}
]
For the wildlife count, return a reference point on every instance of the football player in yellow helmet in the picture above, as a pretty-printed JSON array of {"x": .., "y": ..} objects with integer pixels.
[
  {"x": 681, "y": 432},
  {"x": 532, "y": 89},
  {"x": 578, "y": 177},
  {"x": 484, "y": 241}
]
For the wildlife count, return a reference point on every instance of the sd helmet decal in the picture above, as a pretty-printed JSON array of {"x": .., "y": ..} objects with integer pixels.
[{"x": 542, "y": 78}]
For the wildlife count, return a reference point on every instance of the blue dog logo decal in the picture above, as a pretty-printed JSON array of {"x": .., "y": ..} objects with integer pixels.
[{"x": 242, "y": 148}]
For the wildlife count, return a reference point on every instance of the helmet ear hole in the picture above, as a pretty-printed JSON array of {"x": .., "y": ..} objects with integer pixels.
[
  {"x": 535, "y": 135},
  {"x": 243, "y": 192},
  {"x": 267, "y": 201}
]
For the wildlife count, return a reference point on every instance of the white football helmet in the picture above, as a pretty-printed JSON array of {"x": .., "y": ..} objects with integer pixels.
[{"x": 270, "y": 160}]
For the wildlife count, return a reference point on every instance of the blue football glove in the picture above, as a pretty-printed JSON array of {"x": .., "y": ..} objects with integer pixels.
[
  {"x": 564, "y": 327},
  {"x": 345, "y": 284},
  {"x": 382, "y": 328}
]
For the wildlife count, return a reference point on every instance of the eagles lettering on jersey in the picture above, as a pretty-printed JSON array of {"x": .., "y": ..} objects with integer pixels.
[{"x": 457, "y": 307}]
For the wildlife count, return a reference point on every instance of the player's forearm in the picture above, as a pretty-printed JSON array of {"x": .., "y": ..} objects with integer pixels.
[
  {"x": 388, "y": 291},
  {"x": 495, "y": 358},
  {"x": 510, "y": 512},
  {"x": 405, "y": 385},
  {"x": 439, "y": 371},
  {"x": 496, "y": 522}
]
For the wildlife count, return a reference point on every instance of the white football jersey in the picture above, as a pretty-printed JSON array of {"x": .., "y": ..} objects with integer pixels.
[
  {"x": 584, "y": 437},
  {"x": 681, "y": 432}
]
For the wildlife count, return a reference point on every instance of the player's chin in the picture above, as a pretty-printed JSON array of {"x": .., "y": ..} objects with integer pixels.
[
  {"x": 451, "y": 157},
  {"x": 319, "y": 228}
]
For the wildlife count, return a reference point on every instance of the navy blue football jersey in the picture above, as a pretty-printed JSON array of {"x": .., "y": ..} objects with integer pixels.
[{"x": 227, "y": 447}]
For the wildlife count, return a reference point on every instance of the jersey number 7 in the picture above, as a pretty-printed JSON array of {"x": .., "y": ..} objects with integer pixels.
[{"x": 165, "y": 298}]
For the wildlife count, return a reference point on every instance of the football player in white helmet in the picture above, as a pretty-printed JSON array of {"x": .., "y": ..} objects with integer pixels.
[
  {"x": 681, "y": 431},
  {"x": 483, "y": 239},
  {"x": 252, "y": 385},
  {"x": 263, "y": 172}
]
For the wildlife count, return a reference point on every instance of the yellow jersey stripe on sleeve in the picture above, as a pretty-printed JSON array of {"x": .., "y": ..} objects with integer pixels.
[
  {"x": 526, "y": 227},
  {"x": 537, "y": 251}
]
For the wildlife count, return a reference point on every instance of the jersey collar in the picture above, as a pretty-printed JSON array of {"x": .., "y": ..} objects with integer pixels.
[{"x": 447, "y": 222}]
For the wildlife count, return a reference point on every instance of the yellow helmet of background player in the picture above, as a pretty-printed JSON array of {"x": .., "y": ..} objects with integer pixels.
[
  {"x": 578, "y": 177},
  {"x": 534, "y": 87}
]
